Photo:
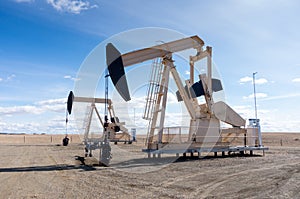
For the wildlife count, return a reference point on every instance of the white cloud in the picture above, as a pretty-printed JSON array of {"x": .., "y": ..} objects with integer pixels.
[
  {"x": 20, "y": 109},
  {"x": 172, "y": 98},
  {"x": 71, "y": 78},
  {"x": 244, "y": 111},
  {"x": 71, "y": 6},
  {"x": 8, "y": 78},
  {"x": 52, "y": 105},
  {"x": 187, "y": 72},
  {"x": 52, "y": 125},
  {"x": 261, "y": 81},
  {"x": 247, "y": 79},
  {"x": 269, "y": 119},
  {"x": 258, "y": 95},
  {"x": 289, "y": 95},
  {"x": 296, "y": 79},
  {"x": 51, "y": 102},
  {"x": 137, "y": 102},
  {"x": 25, "y": 118}
]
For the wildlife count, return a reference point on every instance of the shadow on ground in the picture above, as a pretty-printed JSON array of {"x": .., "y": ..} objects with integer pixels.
[
  {"x": 47, "y": 168},
  {"x": 58, "y": 167},
  {"x": 133, "y": 163},
  {"x": 140, "y": 162}
]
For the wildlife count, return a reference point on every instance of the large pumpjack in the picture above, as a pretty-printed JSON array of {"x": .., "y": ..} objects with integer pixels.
[{"x": 205, "y": 132}]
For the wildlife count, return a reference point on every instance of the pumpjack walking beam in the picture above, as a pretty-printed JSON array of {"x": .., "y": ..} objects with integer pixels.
[
  {"x": 93, "y": 102},
  {"x": 116, "y": 63}
]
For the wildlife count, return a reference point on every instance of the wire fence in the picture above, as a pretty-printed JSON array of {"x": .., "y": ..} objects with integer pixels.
[{"x": 37, "y": 139}]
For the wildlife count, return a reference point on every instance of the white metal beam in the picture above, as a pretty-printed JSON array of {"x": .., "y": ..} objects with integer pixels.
[
  {"x": 162, "y": 50},
  {"x": 181, "y": 88},
  {"x": 91, "y": 100}
]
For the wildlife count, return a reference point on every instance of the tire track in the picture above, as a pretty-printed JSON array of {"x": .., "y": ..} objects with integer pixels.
[{"x": 216, "y": 183}]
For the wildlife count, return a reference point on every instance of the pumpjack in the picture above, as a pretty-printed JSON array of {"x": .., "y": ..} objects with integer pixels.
[{"x": 205, "y": 133}]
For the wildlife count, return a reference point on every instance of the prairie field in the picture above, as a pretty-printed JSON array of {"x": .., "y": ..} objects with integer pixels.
[{"x": 38, "y": 166}]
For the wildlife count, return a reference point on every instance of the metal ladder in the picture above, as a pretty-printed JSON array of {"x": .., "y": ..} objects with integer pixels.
[
  {"x": 87, "y": 120},
  {"x": 153, "y": 88},
  {"x": 156, "y": 99}
]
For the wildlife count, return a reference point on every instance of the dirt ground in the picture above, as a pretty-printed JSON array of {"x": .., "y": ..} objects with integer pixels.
[{"x": 28, "y": 170}]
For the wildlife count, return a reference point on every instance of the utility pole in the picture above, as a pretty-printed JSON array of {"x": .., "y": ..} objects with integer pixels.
[
  {"x": 257, "y": 120},
  {"x": 254, "y": 95}
]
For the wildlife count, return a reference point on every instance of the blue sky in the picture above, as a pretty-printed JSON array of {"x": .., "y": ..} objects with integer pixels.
[{"x": 44, "y": 42}]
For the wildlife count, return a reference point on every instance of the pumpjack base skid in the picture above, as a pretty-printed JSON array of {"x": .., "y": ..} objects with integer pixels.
[{"x": 195, "y": 148}]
